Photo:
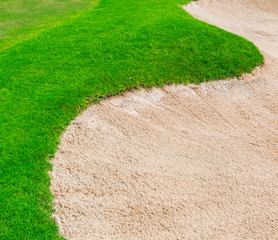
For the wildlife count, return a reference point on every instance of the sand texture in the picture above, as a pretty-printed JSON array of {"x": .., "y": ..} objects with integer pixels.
[{"x": 181, "y": 162}]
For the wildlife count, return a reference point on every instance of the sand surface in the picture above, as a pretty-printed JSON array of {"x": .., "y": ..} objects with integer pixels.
[{"x": 181, "y": 162}]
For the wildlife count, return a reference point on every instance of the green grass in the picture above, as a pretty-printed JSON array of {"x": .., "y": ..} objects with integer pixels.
[
  {"x": 22, "y": 19},
  {"x": 48, "y": 79}
]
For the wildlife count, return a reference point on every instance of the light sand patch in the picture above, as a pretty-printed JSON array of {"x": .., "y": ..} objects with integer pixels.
[
  {"x": 181, "y": 162},
  {"x": 266, "y": 5},
  {"x": 243, "y": 18}
]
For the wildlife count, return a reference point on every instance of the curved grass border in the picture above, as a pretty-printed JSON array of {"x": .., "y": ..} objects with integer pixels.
[{"x": 47, "y": 80}]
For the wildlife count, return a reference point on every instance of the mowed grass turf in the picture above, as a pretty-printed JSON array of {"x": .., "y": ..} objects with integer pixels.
[
  {"x": 22, "y": 19},
  {"x": 47, "y": 80}
]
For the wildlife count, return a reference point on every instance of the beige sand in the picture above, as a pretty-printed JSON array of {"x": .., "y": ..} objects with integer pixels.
[
  {"x": 267, "y": 5},
  {"x": 182, "y": 162}
]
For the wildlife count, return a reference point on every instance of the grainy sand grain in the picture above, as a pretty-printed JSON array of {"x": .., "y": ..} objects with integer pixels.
[{"x": 181, "y": 162}]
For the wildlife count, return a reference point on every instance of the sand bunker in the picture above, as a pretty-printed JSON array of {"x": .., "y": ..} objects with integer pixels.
[
  {"x": 182, "y": 162},
  {"x": 249, "y": 21},
  {"x": 267, "y": 5}
]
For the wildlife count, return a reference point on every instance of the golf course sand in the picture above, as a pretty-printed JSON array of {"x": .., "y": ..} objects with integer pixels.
[{"x": 179, "y": 162}]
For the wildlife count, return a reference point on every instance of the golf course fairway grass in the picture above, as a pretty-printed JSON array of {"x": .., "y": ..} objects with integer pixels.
[
  {"x": 21, "y": 19},
  {"x": 47, "y": 80}
]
